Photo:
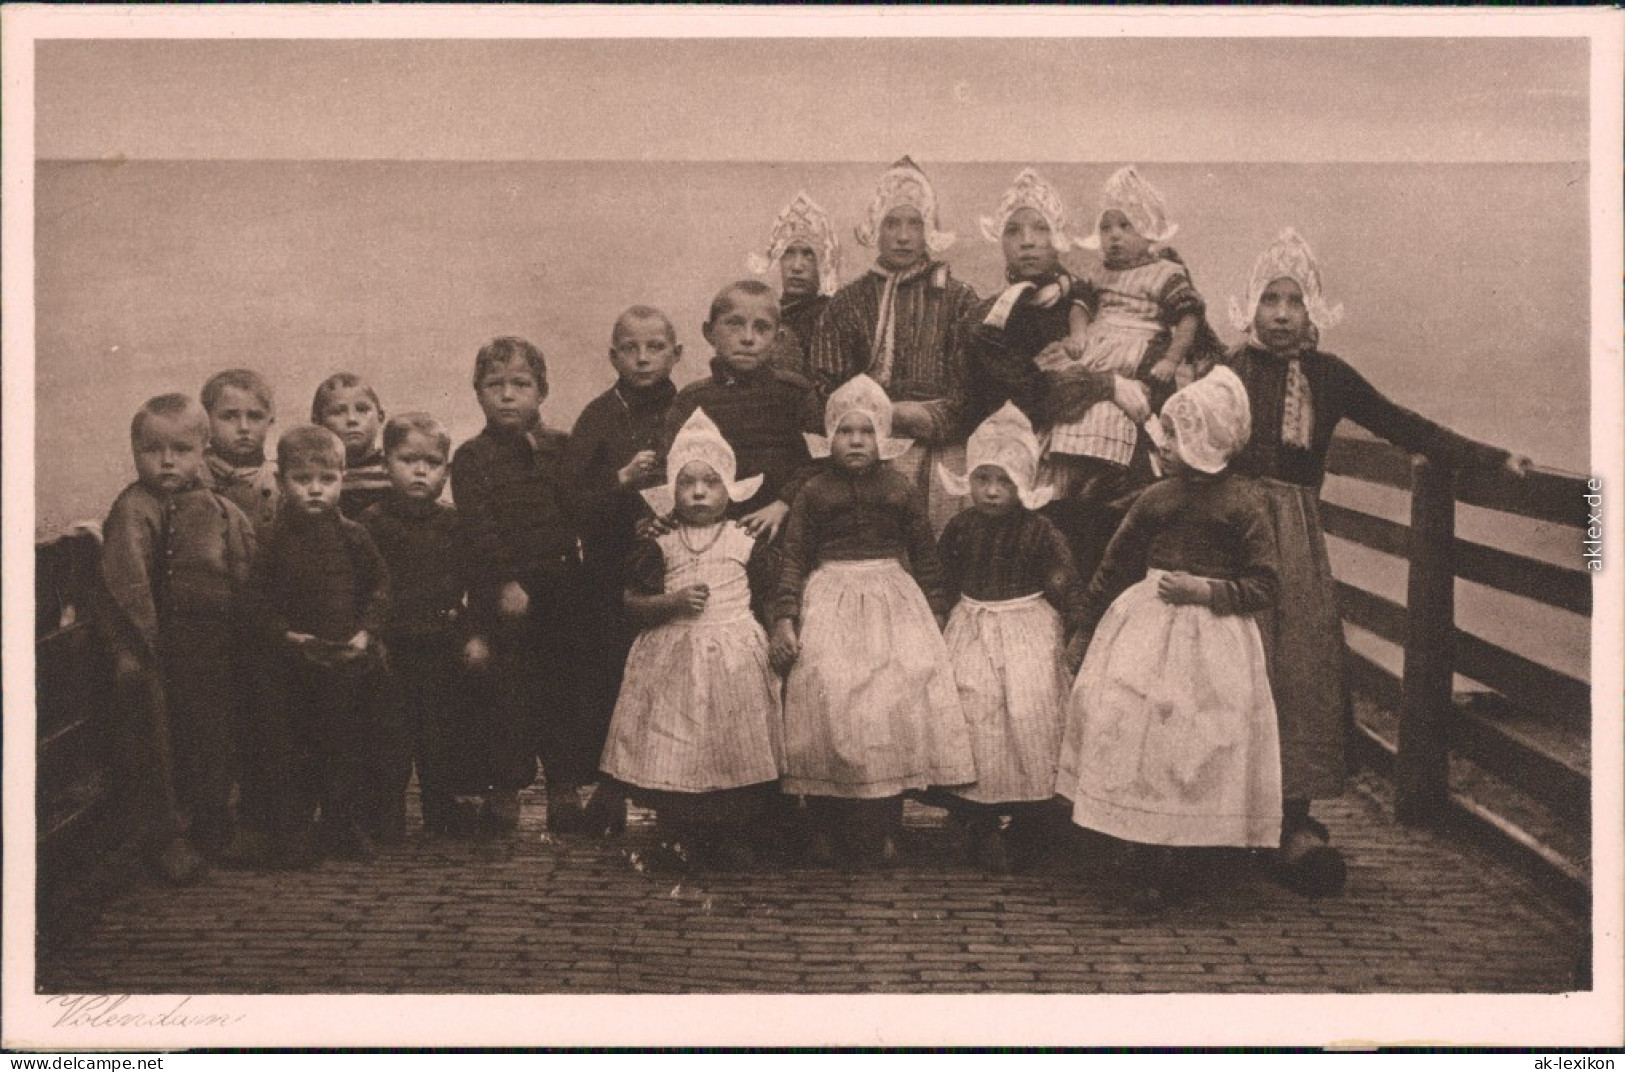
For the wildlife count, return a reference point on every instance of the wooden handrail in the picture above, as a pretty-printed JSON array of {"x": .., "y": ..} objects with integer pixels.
[{"x": 1434, "y": 648}]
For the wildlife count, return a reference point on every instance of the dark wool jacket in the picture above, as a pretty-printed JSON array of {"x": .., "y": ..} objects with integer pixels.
[
  {"x": 1337, "y": 391},
  {"x": 421, "y": 548},
  {"x": 185, "y": 555},
  {"x": 516, "y": 509},
  {"x": 319, "y": 575},
  {"x": 762, "y": 415}
]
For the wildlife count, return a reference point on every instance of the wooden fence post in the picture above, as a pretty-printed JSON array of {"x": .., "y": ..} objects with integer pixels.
[{"x": 1422, "y": 767}]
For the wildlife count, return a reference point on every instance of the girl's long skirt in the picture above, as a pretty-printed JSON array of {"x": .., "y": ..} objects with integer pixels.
[
  {"x": 1171, "y": 736},
  {"x": 1009, "y": 663},
  {"x": 1303, "y": 634},
  {"x": 870, "y": 708},
  {"x": 698, "y": 709}
]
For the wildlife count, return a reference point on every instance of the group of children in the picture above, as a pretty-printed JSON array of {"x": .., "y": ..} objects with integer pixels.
[{"x": 730, "y": 602}]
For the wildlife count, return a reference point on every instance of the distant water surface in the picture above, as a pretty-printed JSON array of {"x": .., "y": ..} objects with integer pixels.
[{"x": 1465, "y": 285}]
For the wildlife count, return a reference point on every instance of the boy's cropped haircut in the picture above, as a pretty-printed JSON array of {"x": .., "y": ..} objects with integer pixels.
[
  {"x": 404, "y": 424},
  {"x": 508, "y": 348},
  {"x": 309, "y": 444},
  {"x": 334, "y": 383},
  {"x": 242, "y": 379},
  {"x": 642, "y": 312},
  {"x": 179, "y": 406},
  {"x": 753, "y": 288}
]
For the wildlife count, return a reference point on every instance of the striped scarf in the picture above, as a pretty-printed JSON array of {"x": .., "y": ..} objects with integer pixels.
[
  {"x": 367, "y": 475},
  {"x": 226, "y": 474},
  {"x": 1044, "y": 293},
  {"x": 884, "y": 351},
  {"x": 1297, "y": 408}
]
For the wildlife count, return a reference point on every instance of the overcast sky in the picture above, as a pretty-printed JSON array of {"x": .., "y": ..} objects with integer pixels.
[{"x": 1041, "y": 99}]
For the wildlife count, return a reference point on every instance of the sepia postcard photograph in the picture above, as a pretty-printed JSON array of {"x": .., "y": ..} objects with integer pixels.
[{"x": 872, "y": 527}]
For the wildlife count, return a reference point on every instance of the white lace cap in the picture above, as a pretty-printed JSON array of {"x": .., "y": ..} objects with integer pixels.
[
  {"x": 1288, "y": 257},
  {"x": 863, "y": 395},
  {"x": 1030, "y": 190},
  {"x": 1211, "y": 420},
  {"x": 699, "y": 440},
  {"x": 905, "y": 184},
  {"x": 1005, "y": 440},
  {"x": 803, "y": 220},
  {"x": 1128, "y": 193}
]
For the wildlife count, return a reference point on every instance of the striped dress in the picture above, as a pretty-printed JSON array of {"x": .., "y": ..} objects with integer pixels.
[
  {"x": 912, "y": 351},
  {"x": 1133, "y": 313},
  {"x": 699, "y": 706}
]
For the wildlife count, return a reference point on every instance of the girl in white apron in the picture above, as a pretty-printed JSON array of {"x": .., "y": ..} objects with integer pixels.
[
  {"x": 1171, "y": 735},
  {"x": 1013, "y": 574},
  {"x": 696, "y": 731}
]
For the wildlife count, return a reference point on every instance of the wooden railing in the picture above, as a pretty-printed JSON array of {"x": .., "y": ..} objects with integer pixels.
[
  {"x": 84, "y": 829},
  {"x": 1432, "y": 726}
]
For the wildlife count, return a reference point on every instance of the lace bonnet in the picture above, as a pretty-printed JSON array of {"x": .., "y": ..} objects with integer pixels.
[
  {"x": 699, "y": 440},
  {"x": 1030, "y": 190},
  {"x": 904, "y": 184},
  {"x": 1137, "y": 199},
  {"x": 802, "y": 220},
  {"x": 863, "y": 395},
  {"x": 1005, "y": 440}
]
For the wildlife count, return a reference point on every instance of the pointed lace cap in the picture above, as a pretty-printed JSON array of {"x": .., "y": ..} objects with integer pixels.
[
  {"x": 1288, "y": 257},
  {"x": 905, "y": 184},
  {"x": 1030, "y": 190},
  {"x": 699, "y": 440},
  {"x": 803, "y": 220},
  {"x": 863, "y": 395},
  {"x": 1005, "y": 440},
  {"x": 1128, "y": 193}
]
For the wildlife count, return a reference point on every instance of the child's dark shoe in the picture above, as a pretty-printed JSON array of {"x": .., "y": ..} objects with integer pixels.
[
  {"x": 821, "y": 850},
  {"x": 296, "y": 852},
  {"x": 249, "y": 850},
  {"x": 501, "y": 812},
  {"x": 605, "y": 814},
  {"x": 348, "y": 842},
  {"x": 990, "y": 852},
  {"x": 669, "y": 857},
  {"x": 180, "y": 864},
  {"x": 361, "y": 847},
  {"x": 1307, "y": 864},
  {"x": 565, "y": 814},
  {"x": 391, "y": 829}
]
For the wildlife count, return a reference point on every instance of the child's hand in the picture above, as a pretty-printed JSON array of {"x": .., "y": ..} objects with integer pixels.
[
  {"x": 358, "y": 643},
  {"x": 1181, "y": 589},
  {"x": 1059, "y": 351},
  {"x": 691, "y": 601},
  {"x": 652, "y": 528},
  {"x": 126, "y": 666},
  {"x": 298, "y": 640},
  {"x": 476, "y": 653},
  {"x": 1518, "y": 465},
  {"x": 640, "y": 468},
  {"x": 513, "y": 602},
  {"x": 784, "y": 649},
  {"x": 765, "y": 523},
  {"x": 1163, "y": 371},
  {"x": 910, "y": 420},
  {"x": 1130, "y": 397}
]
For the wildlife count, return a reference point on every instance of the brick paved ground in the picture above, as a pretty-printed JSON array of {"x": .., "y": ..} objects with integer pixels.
[{"x": 536, "y": 915}]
